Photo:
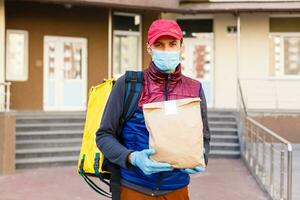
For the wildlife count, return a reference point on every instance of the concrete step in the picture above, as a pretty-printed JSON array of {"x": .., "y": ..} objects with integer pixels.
[
  {"x": 221, "y": 112},
  {"x": 225, "y": 138},
  {"x": 225, "y": 118},
  {"x": 42, "y": 143},
  {"x": 50, "y": 120},
  {"x": 46, "y": 139},
  {"x": 47, "y": 126},
  {"x": 50, "y": 113},
  {"x": 27, "y": 135},
  {"x": 29, "y": 163},
  {"x": 222, "y": 124},
  {"x": 224, "y": 154},
  {"x": 224, "y": 146},
  {"x": 224, "y": 131},
  {"x": 49, "y": 116},
  {"x": 47, "y": 152}
]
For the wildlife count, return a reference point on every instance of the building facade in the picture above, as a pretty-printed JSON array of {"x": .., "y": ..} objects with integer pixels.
[{"x": 53, "y": 51}]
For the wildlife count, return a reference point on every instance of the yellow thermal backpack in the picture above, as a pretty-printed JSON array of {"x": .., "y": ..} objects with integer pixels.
[{"x": 91, "y": 159}]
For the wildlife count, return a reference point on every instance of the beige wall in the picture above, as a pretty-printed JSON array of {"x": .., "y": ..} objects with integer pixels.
[
  {"x": 262, "y": 91},
  {"x": 225, "y": 71},
  {"x": 254, "y": 46},
  {"x": 254, "y": 58}
]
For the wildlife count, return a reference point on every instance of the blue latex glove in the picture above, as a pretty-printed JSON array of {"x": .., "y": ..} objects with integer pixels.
[
  {"x": 193, "y": 170},
  {"x": 141, "y": 159}
]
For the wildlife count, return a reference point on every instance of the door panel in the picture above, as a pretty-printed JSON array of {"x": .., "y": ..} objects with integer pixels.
[
  {"x": 65, "y": 63},
  {"x": 198, "y": 62}
]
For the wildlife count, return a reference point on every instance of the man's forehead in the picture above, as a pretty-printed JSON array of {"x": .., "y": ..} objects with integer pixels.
[{"x": 165, "y": 38}]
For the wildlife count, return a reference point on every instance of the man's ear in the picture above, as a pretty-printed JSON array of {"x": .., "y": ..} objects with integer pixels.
[
  {"x": 149, "y": 49},
  {"x": 181, "y": 48}
]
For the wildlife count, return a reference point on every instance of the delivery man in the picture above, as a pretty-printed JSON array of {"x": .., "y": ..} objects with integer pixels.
[{"x": 140, "y": 177}]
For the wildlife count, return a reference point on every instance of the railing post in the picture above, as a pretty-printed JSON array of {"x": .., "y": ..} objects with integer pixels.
[
  {"x": 8, "y": 97},
  {"x": 246, "y": 141},
  {"x": 271, "y": 168},
  {"x": 256, "y": 152},
  {"x": 281, "y": 181},
  {"x": 289, "y": 176},
  {"x": 2, "y": 97},
  {"x": 251, "y": 146},
  {"x": 5, "y": 96},
  {"x": 264, "y": 159}
]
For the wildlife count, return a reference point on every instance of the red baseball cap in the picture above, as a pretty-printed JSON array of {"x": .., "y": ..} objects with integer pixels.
[{"x": 163, "y": 27}]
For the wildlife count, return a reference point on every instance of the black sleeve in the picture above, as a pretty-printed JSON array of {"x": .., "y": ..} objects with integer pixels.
[
  {"x": 206, "y": 131},
  {"x": 106, "y": 141}
]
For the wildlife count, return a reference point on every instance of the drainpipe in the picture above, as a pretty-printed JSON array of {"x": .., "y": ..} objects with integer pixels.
[{"x": 238, "y": 48}]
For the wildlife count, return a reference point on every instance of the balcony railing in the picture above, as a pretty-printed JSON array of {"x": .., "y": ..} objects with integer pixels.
[
  {"x": 267, "y": 155},
  {"x": 5, "y": 96}
]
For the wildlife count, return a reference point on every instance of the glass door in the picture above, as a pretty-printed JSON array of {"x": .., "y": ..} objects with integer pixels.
[
  {"x": 197, "y": 61},
  {"x": 65, "y": 73}
]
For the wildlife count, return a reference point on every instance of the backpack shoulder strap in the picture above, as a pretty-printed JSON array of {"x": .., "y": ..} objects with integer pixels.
[{"x": 133, "y": 88}]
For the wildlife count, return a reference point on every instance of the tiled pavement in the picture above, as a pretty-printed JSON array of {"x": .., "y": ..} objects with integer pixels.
[{"x": 224, "y": 179}]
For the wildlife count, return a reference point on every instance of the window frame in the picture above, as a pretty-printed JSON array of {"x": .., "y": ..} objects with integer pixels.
[
  {"x": 9, "y": 74},
  {"x": 127, "y": 33},
  {"x": 282, "y": 75}
]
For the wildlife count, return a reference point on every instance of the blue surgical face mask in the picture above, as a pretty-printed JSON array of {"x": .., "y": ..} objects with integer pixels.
[{"x": 166, "y": 60}]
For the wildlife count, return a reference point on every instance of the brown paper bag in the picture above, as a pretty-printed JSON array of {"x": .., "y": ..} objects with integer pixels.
[{"x": 176, "y": 132}]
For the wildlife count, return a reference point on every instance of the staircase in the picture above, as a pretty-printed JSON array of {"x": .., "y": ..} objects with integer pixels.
[
  {"x": 45, "y": 139},
  {"x": 224, "y": 141}
]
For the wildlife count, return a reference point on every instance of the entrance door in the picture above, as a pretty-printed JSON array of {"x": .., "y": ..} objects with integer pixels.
[
  {"x": 65, "y": 73},
  {"x": 198, "y": 62}
]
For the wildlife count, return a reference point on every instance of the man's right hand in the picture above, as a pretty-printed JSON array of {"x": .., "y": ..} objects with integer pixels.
[{"x": 141, "y": 159}]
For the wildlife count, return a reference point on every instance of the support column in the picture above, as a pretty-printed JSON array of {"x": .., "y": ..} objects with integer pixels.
[
  {"x": 7, "y": 142},
  {"x": 7, "y": 120}
]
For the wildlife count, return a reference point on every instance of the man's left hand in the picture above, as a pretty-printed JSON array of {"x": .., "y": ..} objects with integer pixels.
[{"x": 193, "y": 170}]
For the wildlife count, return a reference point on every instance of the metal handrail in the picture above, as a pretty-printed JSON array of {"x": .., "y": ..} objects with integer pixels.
[
  {"x": 278, "y": 137},
  {"x": 242, "y": 97},
  {"x": 255, "y": 138},
  {"x": 5, "y": 105}
]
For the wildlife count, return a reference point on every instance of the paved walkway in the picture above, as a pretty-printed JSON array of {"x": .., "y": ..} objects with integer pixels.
[{"x": 223, "y": 180}]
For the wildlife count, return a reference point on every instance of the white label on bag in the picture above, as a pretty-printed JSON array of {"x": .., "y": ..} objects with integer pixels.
[{"x": 170, "y": 107}]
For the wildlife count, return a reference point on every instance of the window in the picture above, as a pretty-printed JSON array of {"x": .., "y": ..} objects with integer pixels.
[
  {"x": 285, "y": 54},
  {"x": 126, "y": 43},
  {"x": 72, "y": 60},
  {"x": 191, "y": 27},
  {"x": 17, "y": 55}
]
